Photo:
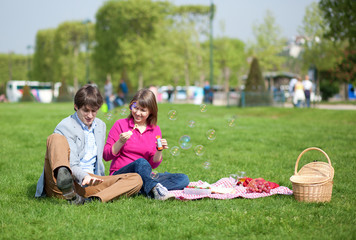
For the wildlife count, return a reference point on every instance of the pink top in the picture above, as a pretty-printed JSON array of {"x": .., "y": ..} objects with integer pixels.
[{"x": 137, "y": 146}]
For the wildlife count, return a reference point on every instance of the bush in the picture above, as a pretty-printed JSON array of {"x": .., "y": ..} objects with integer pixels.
[
  {"x": 63, "y": 93},
  {"x": 328, "y": 89},
  {"x": 26, "y": 94}
]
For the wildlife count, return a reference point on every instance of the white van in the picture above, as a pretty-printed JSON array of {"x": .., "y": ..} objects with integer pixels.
[{"x": 41, "y": 91}]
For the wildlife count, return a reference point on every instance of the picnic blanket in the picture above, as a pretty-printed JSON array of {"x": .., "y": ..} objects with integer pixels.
[{"x": 236, "y": 191}]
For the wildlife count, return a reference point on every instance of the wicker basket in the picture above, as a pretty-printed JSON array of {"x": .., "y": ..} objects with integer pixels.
[{"x": 314, "y": 181}]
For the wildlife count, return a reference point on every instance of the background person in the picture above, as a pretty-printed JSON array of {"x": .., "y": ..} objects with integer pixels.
[
  {"x": 74, "y": 151},
  {"x": 299, "y": 97},
  {"x": 132, "y": 147},
  {"x": 124, "y": 89},
  {"x": 108, "y": 93},
  {"x": 308, "y": 86},
  {"x": 292, "y": 83}
]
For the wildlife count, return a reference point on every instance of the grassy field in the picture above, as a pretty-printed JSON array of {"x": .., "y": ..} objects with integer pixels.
[{"x": 264, "y": 142}]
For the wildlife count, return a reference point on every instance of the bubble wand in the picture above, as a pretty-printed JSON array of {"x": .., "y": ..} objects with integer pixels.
[{"x": 159, "y": 143}]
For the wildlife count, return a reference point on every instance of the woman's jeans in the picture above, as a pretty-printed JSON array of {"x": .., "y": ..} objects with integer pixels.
[{"x": 172, "y": 181}]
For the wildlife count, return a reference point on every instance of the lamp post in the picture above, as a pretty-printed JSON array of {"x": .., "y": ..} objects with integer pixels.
[
  {"x": 211, "y": 43},
  {"x": 87, "y": 63},
  {"x": 29, "y": 62}
]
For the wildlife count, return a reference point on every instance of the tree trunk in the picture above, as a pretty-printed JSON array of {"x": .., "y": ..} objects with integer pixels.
[
  {"x": 186, "y": 74},
  {"x": 226, "y": 79},
  {"x": 140, "y": 80},
  {"x": 75, "y": 81}
]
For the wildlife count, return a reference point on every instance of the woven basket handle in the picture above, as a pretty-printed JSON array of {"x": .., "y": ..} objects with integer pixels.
[{"x": 306, "y": 150}]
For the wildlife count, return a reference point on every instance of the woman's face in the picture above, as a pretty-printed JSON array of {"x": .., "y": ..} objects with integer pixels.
[{"x": 139, "y": 113}]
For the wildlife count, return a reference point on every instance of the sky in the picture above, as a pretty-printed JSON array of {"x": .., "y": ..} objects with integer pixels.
[{"x": 21, "y": 19}]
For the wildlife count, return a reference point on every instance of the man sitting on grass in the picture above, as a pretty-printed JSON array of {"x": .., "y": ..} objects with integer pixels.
[{"x": 75, "y": 150}]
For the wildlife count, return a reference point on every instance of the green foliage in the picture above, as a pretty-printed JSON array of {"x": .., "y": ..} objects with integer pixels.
[
  {"x": 268, "y": 44},
  {"x": 68, "y": 58},
  {"x": 265, "y": 142},
  {"x": 26, "y": 94},
  {"x": 328, "y": 89},
  {"x": 321, "y": 52},
  {"x": 255, "y": 81},
  {"x": 340, "y": 19},
  {"x": 13, "y": 67},
  {"x": 230, "y": 57},
  {"x": 63, "y": 93},
  {"x": 43, "y": 59}
]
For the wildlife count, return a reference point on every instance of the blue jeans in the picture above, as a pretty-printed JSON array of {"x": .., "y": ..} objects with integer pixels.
[{"x": 172, "y": 181}]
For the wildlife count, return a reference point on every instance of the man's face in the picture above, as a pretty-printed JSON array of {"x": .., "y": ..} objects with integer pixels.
[{"x": 86, "y": 114}]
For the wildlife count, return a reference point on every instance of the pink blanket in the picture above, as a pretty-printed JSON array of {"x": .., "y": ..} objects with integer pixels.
[{"x": 239, "y": 191}]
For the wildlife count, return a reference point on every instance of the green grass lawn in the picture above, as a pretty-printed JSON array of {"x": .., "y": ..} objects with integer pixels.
[{"x": 264, "y": 142}]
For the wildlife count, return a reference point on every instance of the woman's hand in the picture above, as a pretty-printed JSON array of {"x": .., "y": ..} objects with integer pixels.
[
  {"x": 164, "y": 143},
  {"x": 125, "y": 136},
  {"x": 122, "y": 140},
  {"x": 91, "y": 181}
]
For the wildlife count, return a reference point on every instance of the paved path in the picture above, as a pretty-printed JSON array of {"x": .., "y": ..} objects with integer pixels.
[{"x": 329, "y": 106}]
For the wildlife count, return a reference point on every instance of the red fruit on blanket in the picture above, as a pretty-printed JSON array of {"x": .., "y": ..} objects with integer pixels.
[{"x": 258, "y": 185}]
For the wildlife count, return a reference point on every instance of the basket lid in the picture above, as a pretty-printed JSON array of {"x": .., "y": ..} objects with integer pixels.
[
  {"x": 315, "y": 169},
  {"x": 321, "y": 169},
  {"x": 306, "y": 179}
]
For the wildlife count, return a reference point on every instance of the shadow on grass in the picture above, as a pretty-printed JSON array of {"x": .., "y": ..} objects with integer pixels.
[{"x": 31, "y": 190}]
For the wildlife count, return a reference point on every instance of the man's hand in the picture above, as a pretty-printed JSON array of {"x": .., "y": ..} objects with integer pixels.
[{"x": 91, "y": 181}]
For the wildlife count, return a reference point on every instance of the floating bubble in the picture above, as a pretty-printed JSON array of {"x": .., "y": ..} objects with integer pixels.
[
  {"x": 123, "y": 111},
  {"x": 206, "y": 165},
  {"x": 203, "y": 108},
  {"x": 172, "y": 115},
  {"x": 108, "y": 116},
  {"x": 185, "y": 142},
  {"x": 154, "y": 175},
  {"x": 174, "y": 151},
  {"x": 231, "y": 122},
  {"x": 211, "y": 134},
  {"x": 199, "y": 150},
  {"x": 191, "y": 123}
]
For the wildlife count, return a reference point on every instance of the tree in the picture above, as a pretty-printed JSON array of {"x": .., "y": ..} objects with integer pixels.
[
  {"x": 230, "y": 57},
  {"x": 340, "y": 19},
  {"x": 124, "y": 34},
  {"x": 26, "y": 94},
  {"x": 255, "y": 81},
  {"x": 340, "y": 26},
  {"x": 268, "y": 44},
  {"x": 68, "y": 59},
  {"x": 43, "y": 59},
  {"x": 324, "y": 52},
  {"x": 319, "y": 51}
]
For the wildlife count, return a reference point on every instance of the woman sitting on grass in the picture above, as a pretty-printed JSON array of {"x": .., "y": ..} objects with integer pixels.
[{"x": 132, "y": 147}]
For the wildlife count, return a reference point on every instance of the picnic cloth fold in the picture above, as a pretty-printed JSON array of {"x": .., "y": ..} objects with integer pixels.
[{"x": 236, "y": 191}]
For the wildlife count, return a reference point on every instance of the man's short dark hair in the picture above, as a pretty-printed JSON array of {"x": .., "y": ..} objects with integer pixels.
[{"x": 88, "y": 95}]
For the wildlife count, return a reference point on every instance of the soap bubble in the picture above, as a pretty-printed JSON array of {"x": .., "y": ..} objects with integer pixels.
[
  {"x": 191, "y": 123},
  {"x": 185, "y": 142},
  {"x": 203, "y": 108},
  {"x": 123, "y": 111},
  {"x": 172, "y": 115},
  {"x": 175, "y": 151},
  {"x": 206, "y": 165},
  {"x": 211, "y": 134},
  {"x": 199, "y": 150},
  {"x": 108, "y": 116},
  {"x": 231, "y": 122},
  {"x": 154, "y": 175}
]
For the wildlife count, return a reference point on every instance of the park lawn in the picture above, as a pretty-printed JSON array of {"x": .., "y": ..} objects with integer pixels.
[{"x": 264, "y": 142}]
